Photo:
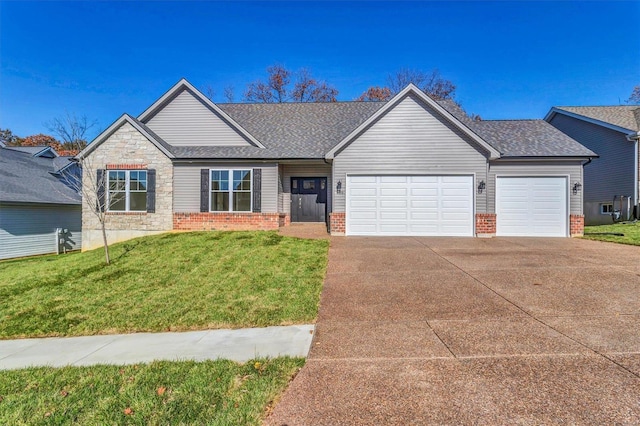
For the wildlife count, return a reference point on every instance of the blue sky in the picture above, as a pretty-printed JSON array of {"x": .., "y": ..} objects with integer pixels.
[{"x": 508, "y": 59}]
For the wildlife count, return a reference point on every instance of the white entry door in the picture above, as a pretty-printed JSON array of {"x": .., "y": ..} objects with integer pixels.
[
  {"x": 410, "y": 205},
  {"x": 531, "y": 206}
]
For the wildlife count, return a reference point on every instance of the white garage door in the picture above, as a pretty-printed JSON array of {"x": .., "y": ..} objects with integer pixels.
[
  {"x": 410, "y": 205},
  {"x": 531, "y": 206}
]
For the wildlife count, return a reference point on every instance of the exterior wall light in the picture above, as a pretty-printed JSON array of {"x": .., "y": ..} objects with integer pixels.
[
  {"x": 339, "y": 187},
  {"x": 576, "y": 187},
  {"x": 481, "y": 187}
]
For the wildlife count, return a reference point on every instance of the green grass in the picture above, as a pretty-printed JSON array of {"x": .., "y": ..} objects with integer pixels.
[
  {"x": 212, "y": 393},
  {"x": 174, "y": 281},
  {"x": 631, "y": 233}
]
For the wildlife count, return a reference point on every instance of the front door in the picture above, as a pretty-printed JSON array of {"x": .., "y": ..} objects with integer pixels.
[{"x": 308, "y": 199}]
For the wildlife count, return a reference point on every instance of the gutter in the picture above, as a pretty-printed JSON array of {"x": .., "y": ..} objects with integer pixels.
[{"x": 635, "y": 137}]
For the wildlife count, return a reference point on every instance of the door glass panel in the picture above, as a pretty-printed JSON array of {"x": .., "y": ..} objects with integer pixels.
[{"x": 308, "y": 184}]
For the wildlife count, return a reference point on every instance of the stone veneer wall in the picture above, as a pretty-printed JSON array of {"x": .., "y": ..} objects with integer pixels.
[
  {"x": 576, "y": 226},
  {"x": 128, "y": 149}
]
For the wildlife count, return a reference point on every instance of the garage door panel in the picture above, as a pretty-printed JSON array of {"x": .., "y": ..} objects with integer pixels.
[
  {"x": 410, "y": 205},
  {"x": 531, "y": 206}
]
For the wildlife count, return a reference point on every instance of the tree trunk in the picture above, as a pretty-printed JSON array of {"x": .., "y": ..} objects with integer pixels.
[{"x": 106, "y": 245}]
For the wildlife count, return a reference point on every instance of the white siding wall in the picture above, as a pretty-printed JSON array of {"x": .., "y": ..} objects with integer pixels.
[
  {"x": 186, "y": 184},
  {"x": 540, "y": 168},
  {"x": 187, "y": 121},
  {"x": 30, "y": 229},
  {"x": 410, "y": 139}
]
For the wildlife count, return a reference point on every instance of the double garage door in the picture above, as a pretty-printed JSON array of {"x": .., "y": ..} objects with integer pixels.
[
  {"x": 444, "y": 206},
  {"x": 410, "y": 205}
]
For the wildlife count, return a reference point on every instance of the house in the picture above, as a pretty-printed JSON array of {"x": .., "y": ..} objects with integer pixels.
[
  {"x": 612, "y": 132},
  {"x": 409, "y": 166},
  {"x": 40, "y": 212}
]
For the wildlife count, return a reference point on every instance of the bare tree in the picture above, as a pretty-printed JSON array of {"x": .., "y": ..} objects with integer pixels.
[
  {"x": 228, "y": 93},
  {"x": 432, "y": 83},
  {"x": 71, "y": 130},
  {"x": 306, "y": 88},
  {"x": 91, "y": 183},
  {"x": 634, "y": 98},
  {"x": 209, "y": 92},
  {"x": 85, "y": 179},
  {"x": 375, "y": 93},
  {"x": 275, "y": 90}
]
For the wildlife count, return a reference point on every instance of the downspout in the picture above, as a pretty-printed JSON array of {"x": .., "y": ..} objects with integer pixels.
[{"x": 635, "y": 137}]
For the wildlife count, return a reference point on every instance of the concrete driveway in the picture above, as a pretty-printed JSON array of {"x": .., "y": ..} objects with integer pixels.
[{"x": 473, "y": 331}]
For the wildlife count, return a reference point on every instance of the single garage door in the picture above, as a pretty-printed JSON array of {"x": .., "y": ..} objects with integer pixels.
[
  {"x": 410, "y": 205},
  {"x": 531, "y": 206}
]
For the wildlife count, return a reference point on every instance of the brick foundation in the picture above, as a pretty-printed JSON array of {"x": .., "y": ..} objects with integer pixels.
[
  {"x": 284, "y": 220},
  {"x": 485, "y": 224},
  {"x": 337, "y": 224},
  {"x": 576, "y": 225},
  {"x": 227, "y": 221}
]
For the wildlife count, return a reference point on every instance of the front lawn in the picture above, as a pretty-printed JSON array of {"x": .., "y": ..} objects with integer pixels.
[
  {"x": 631, "y": 233},
  {"x": 211, "y": 392},
  {"x": 174, "y": 281}
]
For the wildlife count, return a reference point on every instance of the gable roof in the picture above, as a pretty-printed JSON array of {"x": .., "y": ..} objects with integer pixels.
[
  {"x": 178, "y": 88},
  {"x": 29, "y": 179},
  {"x": 140, "y": 127},
  {"x": 623, "y": 118},
  {"x": 411, "y": 89}
]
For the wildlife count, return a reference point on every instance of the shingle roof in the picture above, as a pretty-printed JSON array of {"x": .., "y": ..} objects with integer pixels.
[
  {"x": 33, "y": 150},
  {"x": 529, "y": 138},
  {"x": 288, "y": 130},
  {"x": 627, "y": 116},
  {"x": 28, "y": 179}
]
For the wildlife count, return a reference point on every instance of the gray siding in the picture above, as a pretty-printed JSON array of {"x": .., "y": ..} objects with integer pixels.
[
  {"x": 287, "y": 171},
  {"x": 30, "y": 229},
  {"x": 410, "y": 139},
  {"x": 186, "y": 184},
  {"x": 187, "y": 121},
  {"x": 537, "y": 168},
  {"x": 612, "y": 173}
]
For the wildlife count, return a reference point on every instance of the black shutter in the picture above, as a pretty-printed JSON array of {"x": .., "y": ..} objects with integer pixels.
[
  {"x": 151, "y": 191},
  {"x": 204, "y": 190},
  {"x": 257, "y": 190},
  {"x": 100, "y": 187}
]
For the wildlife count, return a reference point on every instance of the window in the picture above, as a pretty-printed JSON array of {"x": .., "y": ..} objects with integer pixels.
[
  {"x": 127, "y": 190},
  {"x": 230, "y": 191},
  {"x": 606, "y": 208}
]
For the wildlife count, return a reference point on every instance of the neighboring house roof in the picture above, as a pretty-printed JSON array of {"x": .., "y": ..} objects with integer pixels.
[
  {"x": 29, "y": 179},
  {"x": 529, "y": 138},
  {"x": 37, "y": 151},
  {"x": 625, "y": 117}
]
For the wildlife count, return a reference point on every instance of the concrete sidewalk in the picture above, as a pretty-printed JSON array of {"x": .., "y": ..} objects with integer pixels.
[{"x": 238, "y": 345}]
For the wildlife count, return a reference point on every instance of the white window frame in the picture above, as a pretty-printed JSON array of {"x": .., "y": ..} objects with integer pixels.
[
  {"x": 602, "y": 208},
  {"x": 230, "y": 191},
  {"x": 127, "y": 190}
]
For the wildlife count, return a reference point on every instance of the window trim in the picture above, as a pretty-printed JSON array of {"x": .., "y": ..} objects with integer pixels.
[
  {"x": 602, "y": 208},
  {"x": 230, "y": 191},
  {"x": 127, "y": 191}
]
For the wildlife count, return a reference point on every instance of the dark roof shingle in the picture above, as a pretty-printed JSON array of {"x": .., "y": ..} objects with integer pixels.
[{"x": 28, "y": 179}]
